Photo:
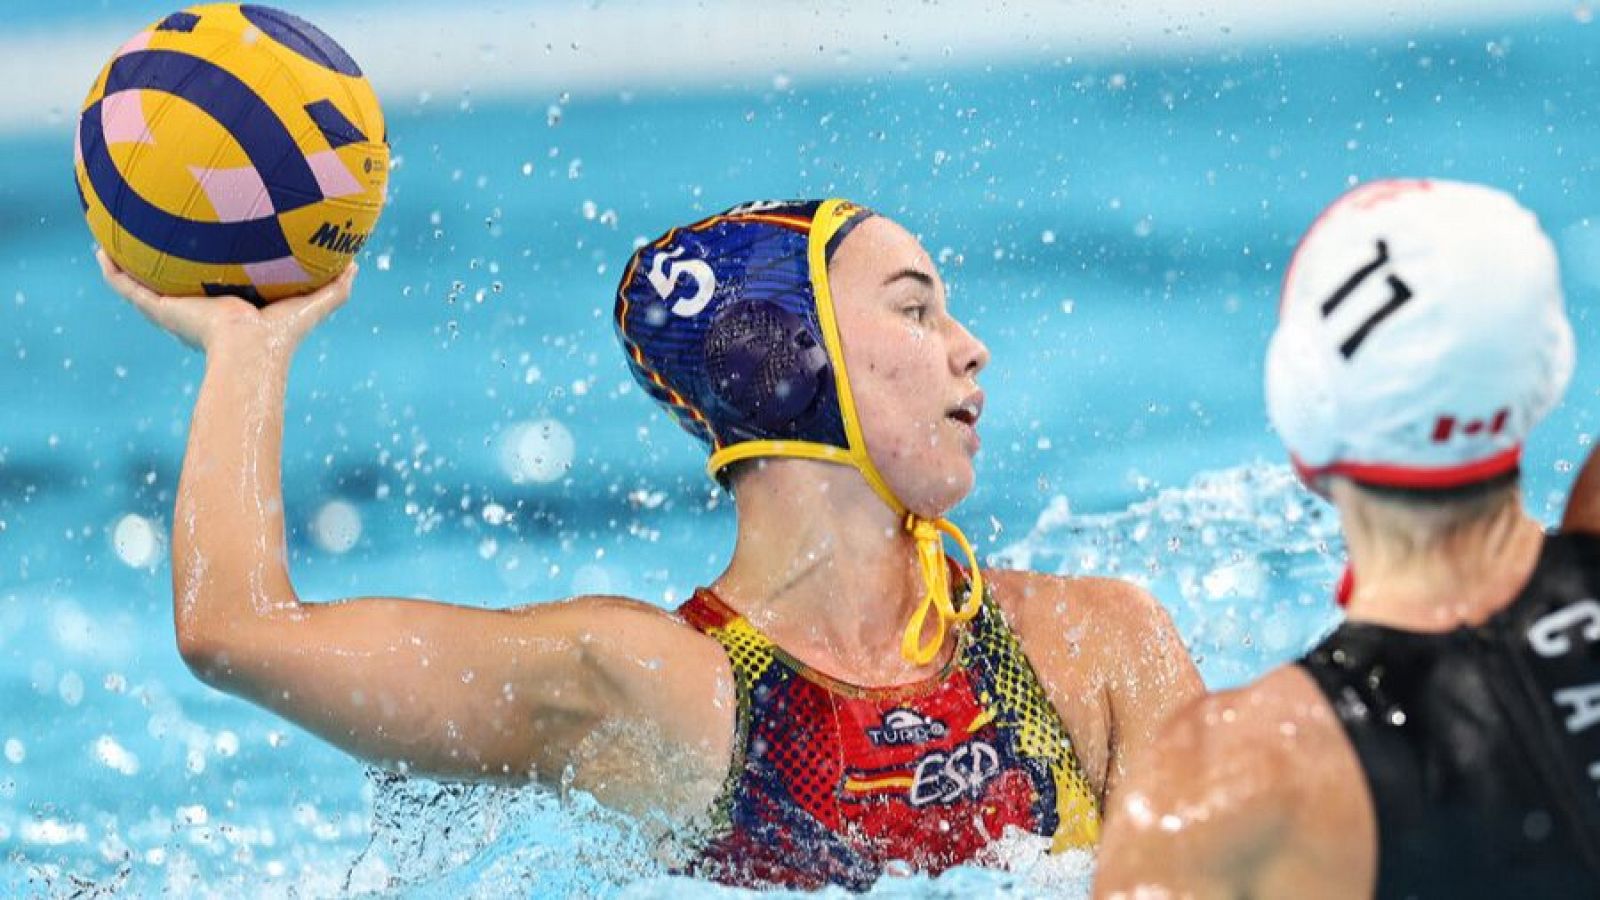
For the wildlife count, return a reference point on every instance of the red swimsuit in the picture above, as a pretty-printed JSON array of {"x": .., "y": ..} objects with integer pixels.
[{"x": 831, "y": 782}]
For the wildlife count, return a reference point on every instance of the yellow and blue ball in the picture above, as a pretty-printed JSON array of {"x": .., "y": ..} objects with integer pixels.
[{"x": 231, "y": 149}]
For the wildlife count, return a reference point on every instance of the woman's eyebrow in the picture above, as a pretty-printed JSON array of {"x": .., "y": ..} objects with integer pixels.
[{"x": 917, "y": 275}]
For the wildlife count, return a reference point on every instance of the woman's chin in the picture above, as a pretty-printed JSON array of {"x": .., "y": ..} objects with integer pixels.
[{"x": 938, "y": 498}]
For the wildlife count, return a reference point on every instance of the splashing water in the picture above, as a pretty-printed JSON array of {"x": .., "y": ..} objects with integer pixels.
[
  {"x": 433, "y": 840},
  {"x": 1239, "y": 556},
  {"x": 467, "y": 841},
  {"x": 452, "y": 841}
]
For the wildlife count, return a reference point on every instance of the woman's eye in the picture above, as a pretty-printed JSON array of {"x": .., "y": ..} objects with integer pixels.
[{"x": 917, "y": 313}]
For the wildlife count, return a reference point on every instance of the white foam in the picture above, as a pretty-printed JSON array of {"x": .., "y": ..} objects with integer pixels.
[
  {"x": 114, "y": 756},
  {"x": 193, "y": 815},
  {"x": 1244, "y": 558},
  {"x": 639, "y": 47},
  {"x": 72, "y": 629},
  {"x": 53, "y": 832},
  {"x": 70, "y": 688}
]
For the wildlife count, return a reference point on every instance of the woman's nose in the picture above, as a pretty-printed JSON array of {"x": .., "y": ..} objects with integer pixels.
[{"x": 970, "y": 355}]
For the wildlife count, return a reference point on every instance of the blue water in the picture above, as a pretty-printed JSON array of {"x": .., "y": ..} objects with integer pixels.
[{"x": 1114, "y": 232}]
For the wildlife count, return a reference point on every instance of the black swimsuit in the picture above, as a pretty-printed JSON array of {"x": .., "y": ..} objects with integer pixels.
[{"x": 1481, "y": 746}]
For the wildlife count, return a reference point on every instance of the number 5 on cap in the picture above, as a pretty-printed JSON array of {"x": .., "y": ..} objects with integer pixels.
[{"x": 666, "y": 281}]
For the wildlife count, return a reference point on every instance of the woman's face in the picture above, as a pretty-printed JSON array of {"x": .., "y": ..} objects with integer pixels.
[{"x": 913, "y": 368}]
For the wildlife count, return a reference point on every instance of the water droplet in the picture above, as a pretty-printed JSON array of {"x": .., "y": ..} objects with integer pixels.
[
  {"x": 337, "y": 526},
  {"x": 71, "y": 688},
  {"x": 136, "y": 540},
  {"x": 539, "y": 451}
]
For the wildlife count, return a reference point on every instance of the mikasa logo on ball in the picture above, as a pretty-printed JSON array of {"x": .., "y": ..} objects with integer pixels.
[{"x": 330, "y": 237}]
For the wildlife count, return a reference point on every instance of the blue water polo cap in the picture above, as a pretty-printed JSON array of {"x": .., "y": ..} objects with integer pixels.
[
  {"x": 721, "y": 326},
  {"x": 729, "y": 323}
]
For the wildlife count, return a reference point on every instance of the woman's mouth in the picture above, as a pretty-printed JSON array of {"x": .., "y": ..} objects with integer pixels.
[{"x": 965, "y": 415}]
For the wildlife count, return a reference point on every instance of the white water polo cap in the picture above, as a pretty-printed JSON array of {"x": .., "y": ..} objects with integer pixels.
[{"x": 1421, "y": 336}]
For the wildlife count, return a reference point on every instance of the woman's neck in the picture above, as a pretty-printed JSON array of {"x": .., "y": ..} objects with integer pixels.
[
  {"x": 1437, "y": 580},
  {"x": 825, "y": 569}
]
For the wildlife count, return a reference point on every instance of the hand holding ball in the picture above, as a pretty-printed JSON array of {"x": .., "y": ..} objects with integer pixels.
[{"x": 231, "y": 149}]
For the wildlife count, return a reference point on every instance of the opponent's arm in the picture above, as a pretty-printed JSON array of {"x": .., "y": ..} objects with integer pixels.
[
  {"x": 428, "y": 687},
  {"x": 1583, "y": 506}
]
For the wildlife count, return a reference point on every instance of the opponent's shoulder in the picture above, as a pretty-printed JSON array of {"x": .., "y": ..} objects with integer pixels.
[
  {"x": 1582, "y": 514},
  {"x": 1268, "y": 718},
  {"x": 1248, "y": 792},
  {"x": 1245, "y": 749},
  {"x": 1217, "y": 789}
]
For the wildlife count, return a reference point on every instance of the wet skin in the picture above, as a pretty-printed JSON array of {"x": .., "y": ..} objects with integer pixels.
[{"x": 629, "y": 699}]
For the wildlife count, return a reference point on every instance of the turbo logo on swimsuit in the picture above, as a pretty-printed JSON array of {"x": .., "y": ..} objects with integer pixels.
[{"x": 906, "y": 726}]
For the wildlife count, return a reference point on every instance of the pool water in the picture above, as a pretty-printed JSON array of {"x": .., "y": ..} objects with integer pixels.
[{"x": 465, "y": 428}]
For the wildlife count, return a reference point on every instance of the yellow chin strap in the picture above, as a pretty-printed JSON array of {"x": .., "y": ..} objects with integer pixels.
[
  {"x": 928, "y": 533},
  {"x": 936, "y": 579}
]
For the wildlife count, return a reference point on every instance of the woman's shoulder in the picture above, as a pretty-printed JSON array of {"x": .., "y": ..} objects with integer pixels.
[
  {"x": 1036, "y": 600},
  {"x": 624, "y": 627},
  {"x": 1086, "y": 631}
]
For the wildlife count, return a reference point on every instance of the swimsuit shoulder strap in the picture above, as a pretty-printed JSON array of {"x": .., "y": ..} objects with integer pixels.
[
  {"x": 750, "y": 653},
  {"x": 1000, "y": 667}
]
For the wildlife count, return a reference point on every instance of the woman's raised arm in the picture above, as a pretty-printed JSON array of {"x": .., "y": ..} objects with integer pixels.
[{"x": 425, "y": 687}]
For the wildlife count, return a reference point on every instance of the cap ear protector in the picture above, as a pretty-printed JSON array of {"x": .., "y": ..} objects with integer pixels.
[{"x": 766, "y": 366}]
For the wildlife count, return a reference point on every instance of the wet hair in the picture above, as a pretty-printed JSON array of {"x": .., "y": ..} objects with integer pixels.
[
  {"x": 734, "y": 472},
  {"x": 1462, "y": 495},
  {"x": 1443, "y": 509}
]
